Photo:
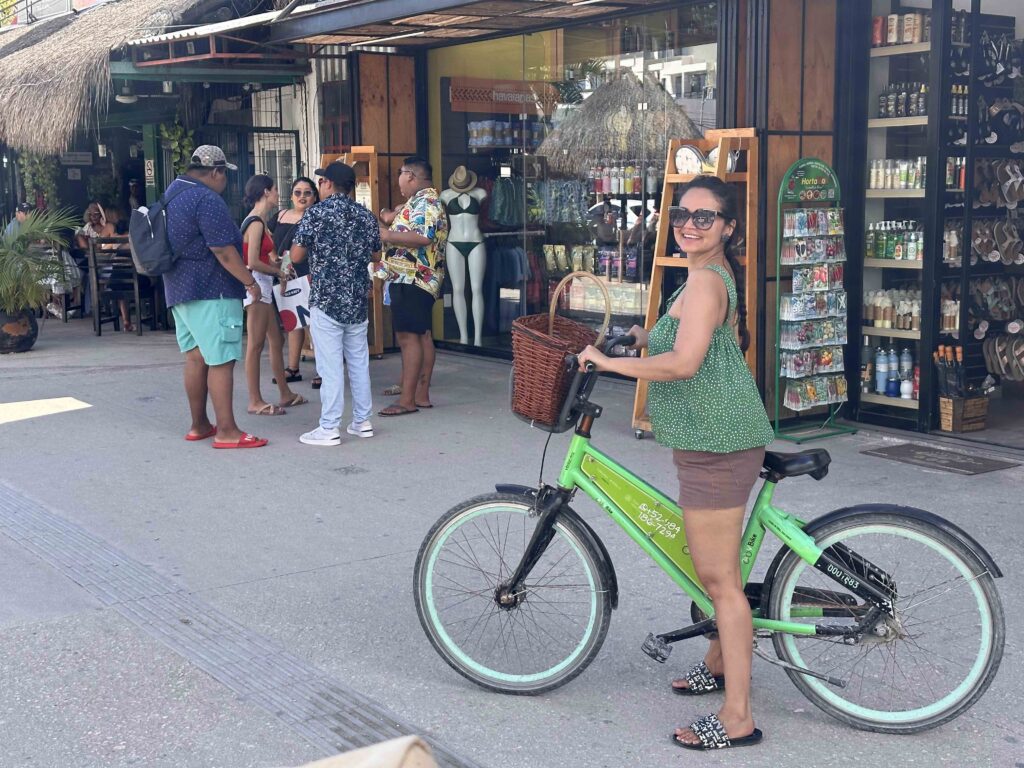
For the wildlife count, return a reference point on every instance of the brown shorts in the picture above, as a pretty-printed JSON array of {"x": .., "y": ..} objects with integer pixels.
[{"x": 716, "y": 480}]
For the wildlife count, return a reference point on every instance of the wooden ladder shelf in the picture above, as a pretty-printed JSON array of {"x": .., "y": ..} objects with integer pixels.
[{"x": 744, "y": 142}]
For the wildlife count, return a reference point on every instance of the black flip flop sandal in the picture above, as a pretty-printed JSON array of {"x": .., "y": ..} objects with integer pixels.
[
  {"x": 700, "y": 681},
  {"x": 712, "y": 735}
]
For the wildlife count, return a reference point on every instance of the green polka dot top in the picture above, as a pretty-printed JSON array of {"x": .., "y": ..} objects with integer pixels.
[{"x": 719, "y": 410}]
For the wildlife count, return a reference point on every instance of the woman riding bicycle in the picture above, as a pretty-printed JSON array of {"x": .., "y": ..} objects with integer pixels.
[{"x": 704, "y": 405}]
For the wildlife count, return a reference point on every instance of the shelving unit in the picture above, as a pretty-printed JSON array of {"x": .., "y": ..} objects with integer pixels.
[
  {"x": 903, "y": 214},
  {"x": 900, "y": 50},
  {"x": 895, "y": 194},
  {"x": 811, "y": 322},
  {"x": 744, "y": 142}
]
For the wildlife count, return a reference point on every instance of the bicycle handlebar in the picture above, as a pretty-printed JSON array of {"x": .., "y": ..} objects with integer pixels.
[{"x": 572, "y": 361}]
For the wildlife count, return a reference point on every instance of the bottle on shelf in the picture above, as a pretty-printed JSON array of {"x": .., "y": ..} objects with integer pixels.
[
  {"x": 867, "y": 366},
  {"x": 892, "y": 384},
  {"x": 906, "y": 363},
  {"x": 652, "y": 180},
  {"x": 881, "y": 370}
]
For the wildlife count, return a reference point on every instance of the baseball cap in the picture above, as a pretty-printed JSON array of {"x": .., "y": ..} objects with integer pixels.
[
  {"x": 25, "y": 208},
  {"x": 209, "y": 156},
  {"x": 338, "y": 173}
]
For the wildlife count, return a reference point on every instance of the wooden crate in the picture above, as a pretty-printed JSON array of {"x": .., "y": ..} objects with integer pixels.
[{"x": 962, "y": 414}]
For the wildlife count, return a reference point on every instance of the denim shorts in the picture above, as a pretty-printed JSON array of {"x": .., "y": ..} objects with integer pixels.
[{"x": 213, "y": 325}]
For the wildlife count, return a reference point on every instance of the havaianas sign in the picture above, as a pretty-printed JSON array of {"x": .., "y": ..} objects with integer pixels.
[{"x": 513, "y": 97}]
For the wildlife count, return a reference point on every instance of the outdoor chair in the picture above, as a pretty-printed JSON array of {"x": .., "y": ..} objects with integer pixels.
[{"x": 112, "y": 276}]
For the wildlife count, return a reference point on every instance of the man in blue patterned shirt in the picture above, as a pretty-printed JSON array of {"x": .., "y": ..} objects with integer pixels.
[
  {"x": 204, "y": 292},
  {"x": 340, "y": 237}
]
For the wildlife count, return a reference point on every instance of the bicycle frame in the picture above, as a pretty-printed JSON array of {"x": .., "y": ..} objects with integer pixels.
[{"x": 655, "y": 523}]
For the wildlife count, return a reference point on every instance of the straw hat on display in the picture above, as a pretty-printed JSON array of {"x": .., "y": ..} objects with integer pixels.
[{"x": 462, "y": 180}]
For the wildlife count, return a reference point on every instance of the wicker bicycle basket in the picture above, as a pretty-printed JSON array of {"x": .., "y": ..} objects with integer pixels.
[{"x": 540, "y": 344}]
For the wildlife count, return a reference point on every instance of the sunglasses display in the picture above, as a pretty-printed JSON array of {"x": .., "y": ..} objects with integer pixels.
[{"x": 703, "y": 218}]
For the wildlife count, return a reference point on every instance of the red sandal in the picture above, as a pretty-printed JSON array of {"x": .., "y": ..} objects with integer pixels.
[{"x": 246, "y": 441}]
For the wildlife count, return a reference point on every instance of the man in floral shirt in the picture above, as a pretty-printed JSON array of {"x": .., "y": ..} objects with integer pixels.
[
  {"x": 416, "y": 237},
  {"x": 340, "y": 237}
]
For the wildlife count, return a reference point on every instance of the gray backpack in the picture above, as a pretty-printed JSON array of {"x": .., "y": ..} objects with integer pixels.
[{"x": 147, "y": 236}]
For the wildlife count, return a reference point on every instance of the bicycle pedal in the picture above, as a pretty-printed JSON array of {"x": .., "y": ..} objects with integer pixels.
[{"x": 656, "y": 648}]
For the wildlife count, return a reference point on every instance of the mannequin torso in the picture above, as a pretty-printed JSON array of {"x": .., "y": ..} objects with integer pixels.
[{"x": 466, "y": 247}]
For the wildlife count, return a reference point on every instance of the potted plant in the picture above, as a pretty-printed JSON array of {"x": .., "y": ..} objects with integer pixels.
[{"x": 28, "y": 267}]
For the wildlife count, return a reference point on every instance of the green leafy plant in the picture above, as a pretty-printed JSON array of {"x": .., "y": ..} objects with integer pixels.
[
  {"x": 27, "y": 259},
  {"x": 39, "y": 177},
  {"x": 102, "y": 187},
  {"x": 180, "y": 142},
  {"x": 570, "y": 90}
]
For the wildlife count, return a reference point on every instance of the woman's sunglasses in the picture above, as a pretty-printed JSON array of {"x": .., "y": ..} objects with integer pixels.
[
  {"x": 703, "y": 218},
  {"x": 302, "y": 193}
]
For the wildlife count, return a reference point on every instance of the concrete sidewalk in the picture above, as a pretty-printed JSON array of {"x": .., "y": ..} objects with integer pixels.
[{"x": 307, "y": 553}]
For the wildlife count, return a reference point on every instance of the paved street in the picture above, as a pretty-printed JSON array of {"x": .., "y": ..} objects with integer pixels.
[{"x": 303, "y": 557}]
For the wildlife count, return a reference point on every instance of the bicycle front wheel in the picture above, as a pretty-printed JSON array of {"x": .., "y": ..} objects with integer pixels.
[
  {"x": 526, "y": 643},
  {"x": 921, "y": 668}
]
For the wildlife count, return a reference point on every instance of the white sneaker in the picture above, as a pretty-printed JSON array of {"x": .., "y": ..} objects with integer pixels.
[
  {"x": 321, "y": 436},
  {"x": 360, "y": 429}
]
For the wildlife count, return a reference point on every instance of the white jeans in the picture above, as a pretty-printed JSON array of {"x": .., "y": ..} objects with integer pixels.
[{"x": 337, "y": 344}]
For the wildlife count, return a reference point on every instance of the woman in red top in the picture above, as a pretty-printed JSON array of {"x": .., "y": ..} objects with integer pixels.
[{"x": 263, "y": 262}]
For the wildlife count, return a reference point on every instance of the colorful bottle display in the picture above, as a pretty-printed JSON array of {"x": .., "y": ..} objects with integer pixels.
[{"x": 898, "y": 240}]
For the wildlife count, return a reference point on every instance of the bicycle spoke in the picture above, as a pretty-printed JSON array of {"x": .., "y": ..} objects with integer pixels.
[
  {"x": 909, "y": 666},
  {"x": 548, "y": 619}
]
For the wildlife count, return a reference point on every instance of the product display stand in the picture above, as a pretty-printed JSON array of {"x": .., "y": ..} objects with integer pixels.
[
  {"x": 810, "y": 322},
  {"x": 363, "y": 160},
  {"x": 737, "y": 148}
]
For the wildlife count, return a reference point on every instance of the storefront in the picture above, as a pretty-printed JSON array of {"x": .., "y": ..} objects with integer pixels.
[
  {"x": 937, "y": 154},
  {"x": 560, "y": 113},
  {"x": 559, "y": 137}
]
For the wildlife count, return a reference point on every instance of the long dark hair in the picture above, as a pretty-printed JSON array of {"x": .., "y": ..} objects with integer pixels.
[
  {"x": 255, "y": 188},
  {"x": 312, "y": 185},
  {"x": 725, "y": 195}
]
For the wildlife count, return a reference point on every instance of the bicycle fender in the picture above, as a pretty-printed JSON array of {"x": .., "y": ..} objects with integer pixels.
[
  {"x": 604, "y": 559},
  {"x": 985, "y": 560}
]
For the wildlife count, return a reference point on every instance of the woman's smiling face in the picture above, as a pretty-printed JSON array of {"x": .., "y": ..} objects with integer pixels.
[{"x": 691, "y": 238}]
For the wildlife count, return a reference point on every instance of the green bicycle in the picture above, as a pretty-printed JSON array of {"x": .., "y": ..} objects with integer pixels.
[{"x": 884, "y": 616}]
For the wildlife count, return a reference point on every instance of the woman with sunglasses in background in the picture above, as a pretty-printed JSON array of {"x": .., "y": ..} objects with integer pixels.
[
  {"x": 261, "y": 315},
  {"x": 705, "y": 406},
  {"x": 304, "y": 194}
]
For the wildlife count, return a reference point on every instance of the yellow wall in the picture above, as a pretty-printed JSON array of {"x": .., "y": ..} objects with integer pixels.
[{"x": 507, "y": 58}]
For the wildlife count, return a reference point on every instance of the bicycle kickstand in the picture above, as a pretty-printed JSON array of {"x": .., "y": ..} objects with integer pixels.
[{"x": 659, "y": 648}]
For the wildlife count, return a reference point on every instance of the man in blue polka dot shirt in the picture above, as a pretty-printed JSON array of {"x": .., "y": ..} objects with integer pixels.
[{"x": 204, "y": 290}]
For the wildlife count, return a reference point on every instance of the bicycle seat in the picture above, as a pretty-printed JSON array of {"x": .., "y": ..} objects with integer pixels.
[{"x": 813, "y": 462}]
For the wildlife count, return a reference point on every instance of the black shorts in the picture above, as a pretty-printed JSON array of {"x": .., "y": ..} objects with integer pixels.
[{"x": 412, "y": 308}]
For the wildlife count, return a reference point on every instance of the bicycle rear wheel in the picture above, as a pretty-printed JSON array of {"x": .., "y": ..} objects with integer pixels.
[
  {"x": 530, "y": 642},
  {"x": 925, "y": 666}
]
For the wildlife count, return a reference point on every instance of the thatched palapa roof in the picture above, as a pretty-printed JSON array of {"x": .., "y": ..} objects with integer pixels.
[
  {"x": 609, "y": 124},
  {"x": 62, "y": 83}
]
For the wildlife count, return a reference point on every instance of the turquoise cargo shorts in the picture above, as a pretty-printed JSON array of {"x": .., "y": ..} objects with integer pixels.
[{"x": 213, "y": 325}]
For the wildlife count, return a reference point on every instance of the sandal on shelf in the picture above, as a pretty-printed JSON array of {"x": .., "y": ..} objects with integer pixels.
[
  {"x": 712, "y": 735},
  {"x": 700, "y": 681},
  {"x": 291, "y": 375},
  {"x": 268, "y": 410},
  {"x": 296, "y": 399},
  {"x": 1017, "y": 359}
]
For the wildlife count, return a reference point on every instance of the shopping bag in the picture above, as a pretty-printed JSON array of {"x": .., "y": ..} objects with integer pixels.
[{"x": 293, "y": 303}]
